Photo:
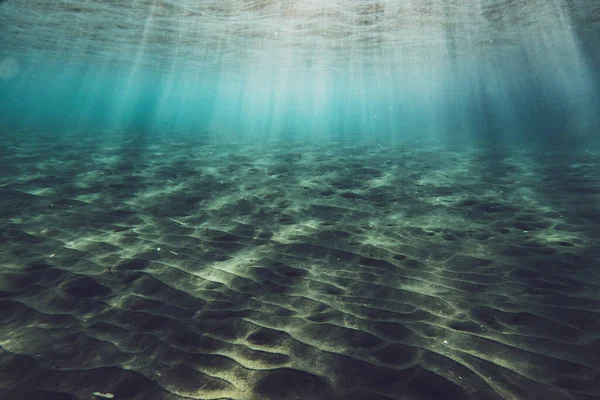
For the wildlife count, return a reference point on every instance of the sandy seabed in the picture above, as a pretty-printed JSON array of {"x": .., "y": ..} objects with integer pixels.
[{"x": 154, "y": 268}]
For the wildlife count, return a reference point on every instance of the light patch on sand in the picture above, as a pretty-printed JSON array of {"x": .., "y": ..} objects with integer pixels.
[{"x": 41, "y": 191}]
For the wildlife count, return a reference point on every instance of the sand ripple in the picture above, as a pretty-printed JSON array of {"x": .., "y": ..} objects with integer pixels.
[{"x": 363, "y": 273}]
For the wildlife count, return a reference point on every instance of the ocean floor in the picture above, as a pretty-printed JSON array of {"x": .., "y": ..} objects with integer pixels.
[{"x": 149, "y": 267}]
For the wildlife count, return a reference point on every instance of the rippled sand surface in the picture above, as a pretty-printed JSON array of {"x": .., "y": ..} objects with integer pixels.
[{"x": 152, "y": 268}]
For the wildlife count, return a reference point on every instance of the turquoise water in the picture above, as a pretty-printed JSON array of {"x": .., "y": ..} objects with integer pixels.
[{"x": 535, "y": 91}]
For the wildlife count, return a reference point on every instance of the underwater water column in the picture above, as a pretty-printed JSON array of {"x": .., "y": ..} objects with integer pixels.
[{"x": 385, "y": 66}]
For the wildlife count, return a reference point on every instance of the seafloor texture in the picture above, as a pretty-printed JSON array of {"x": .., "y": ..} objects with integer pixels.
[{"x": 168, "y": 268}]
